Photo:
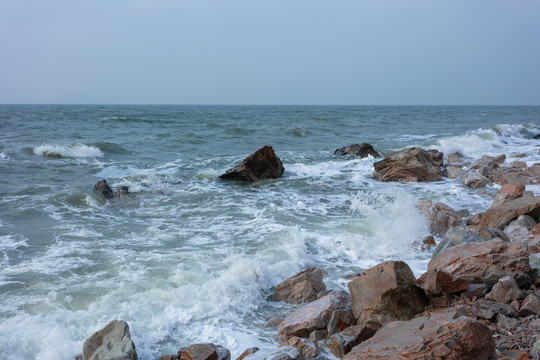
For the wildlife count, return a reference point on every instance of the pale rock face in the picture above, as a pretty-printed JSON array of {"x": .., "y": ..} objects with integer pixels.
[
  {"x": 505, "y": 290},
  {"x": 111, "y": 342}
]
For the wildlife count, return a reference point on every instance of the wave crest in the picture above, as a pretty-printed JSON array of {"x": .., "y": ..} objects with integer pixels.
[{"x": 68, "y": 151}]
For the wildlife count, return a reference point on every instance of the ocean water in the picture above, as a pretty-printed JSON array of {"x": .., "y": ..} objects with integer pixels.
[{"x": 187, "y": 257}]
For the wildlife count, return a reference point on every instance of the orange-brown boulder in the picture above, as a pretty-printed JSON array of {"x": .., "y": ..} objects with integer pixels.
[
  {"x": 447, "y": 335},
  {"x": 501, "y": 215},
  {"x": 411, "y": 165},
  {"x": 262, "y": 164},
  {"x": 386, "y": 292},
  {"x": 300, "y": 288}
]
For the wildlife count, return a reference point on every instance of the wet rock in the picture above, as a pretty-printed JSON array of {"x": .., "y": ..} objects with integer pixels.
[
  {"x": 505, "y": 291},
  {"x": 341, "y": 343},
  {"x": 339, "y": 321},
  {"x": 437, "y": 156},
  {"x": 300, "y": 288},
  {"x": 386, "y": 292},
  {"x": 111, "y": 342},
  {"x": 103, "y": 189},
  {"x": 474, "y": 220},
  {"x": 518, "y": 164},
  {"x": 313, "y": 316},
  {"x": 461, "y": 235},
  {"x": 262, "y": 164},
  {"x": 283, "y": 353},
  {"x": 501, "y": 215},
  {"x": 508, "y": 192},
  {"x": 204, "y": 351},
  {"x": 530, "y": 306},
  {"x": 505, "y": 174},
  {"x": 412, "y": 164},
  {"x": 474, "y": 180},
  {"x": 485, "y": 262},
  {"x": 305, "y": 347},
  {"x": 455, "y": 172},
  {"x": 440, "y": 217},
  {"x": 361, "y": 150},
  {"x": 486, "y": 164},
  {"x": 247, "y": 352},
  {"x": 447, "y": 335},
  {"x": 455, "y": 158}
]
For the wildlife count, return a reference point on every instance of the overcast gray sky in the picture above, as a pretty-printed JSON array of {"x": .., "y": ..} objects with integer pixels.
[{"x": 270, "y": 51}]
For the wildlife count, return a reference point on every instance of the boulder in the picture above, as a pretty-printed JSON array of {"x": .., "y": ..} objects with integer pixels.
[
  {"x": 501, "y": 215},
  {"x": 204, "y": 351},
  {"x": 440, "y": 217},
  {"x": 386, "y": 292},
  {"x": 486, "y": 164},
  {"x": 455, "y": 158},
  {"x": 534, "y": 245},
  {"x": 111, "y": 342},
  {"x": 262, "y": 164},
  {"x": 300, "y": 288},
  {"x": 506, "y": 323},
  {"x": 487, "y": 309},
  {"x": 341, "y": 343},
  {"x": 438, "y": 281},
  {"x": 305, "y": 347},
  {"x": 437, "y": 156},
  {"x": 508, "y": 192},
  {"x": 247, "y": 352},
  {"x": 460, "y": 235},
  {"x": 526, "y": 176},
  {"x": 446, "y": 335},
  {"x": 474, "y": 180},
  {"x": 455, "y": 172},
  {"x": 530, "y": 306},
  {"x": 412, "y": 164},
  {"x": 103, "y": 189},
  {"x": 361, "y": 150},
  {"x": 339, "y": 321},
  {"x": 519, "y": 229},
  {"x": 312, "y": 316},
  {"x": 505, "y": 290},
  {"x": 484, "y": 262},
  {"x": 283, "y": 353},
  {"x": 474, "y": 219}
]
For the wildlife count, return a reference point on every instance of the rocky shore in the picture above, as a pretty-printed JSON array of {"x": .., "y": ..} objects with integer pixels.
[{"x": 478, "y": 299}]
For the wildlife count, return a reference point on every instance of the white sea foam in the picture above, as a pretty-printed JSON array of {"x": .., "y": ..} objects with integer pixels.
[{"x": 68, "y": 151}]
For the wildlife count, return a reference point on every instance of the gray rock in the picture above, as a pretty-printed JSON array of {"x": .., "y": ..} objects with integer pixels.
[
  {"x": 535, "y": 351},
  {"x": 113, "y": 342},
  {"x": 474, "y": 180},
  {"x": 530, "y": 306},
  {"x": 440, "y": 217},
  {"x": 461, "y": 235},
  {"x": 306, "y": 348},
  {"x": 341, "y": 343},
  {"x": 505, "y": 290},
  {"x": 283, "y": 353}
]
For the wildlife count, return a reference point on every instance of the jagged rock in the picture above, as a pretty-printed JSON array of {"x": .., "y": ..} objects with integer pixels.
[
  {"x": 283, "y": 353},
  {"x": 438, "y": 281},
  {"x": 455, "y": 172},
  {"x": 312, "y": 316},
  {"x": 247, "y": 352},
  {"x": 317, "y": 335},
  {"x": 506, "y": 323},
  {"x": 486, "y": 164},
  {"x": 205, "y": 351},
  {"x": 447, "y": 335},
  {"x": 501, "y": 215},
  {"x": 514, "y": 355},
  {"x": 341, "y": 343},
  {"x": 519, "y": 229},
  {"x": 262, "y": 164},
  {"x": 440, "y": 217},
  {"x": 104, "y": 189},
  {"x": 474, "y": 220},
  {"x": 518, "y": 164},
  {"x": 111, "y": 342},
  {"x": 305, "y": 347},
  {"x": 475, "y": 291},
  {"x": 412, "y": 164},
  {"x": 437, "y": 156},
  {"x": 300, "y": 288},
  {"x": 530, "y": 306},
  {"x": 361, "y": 150},
  {"x": 455, "y": 158},
  {"x": 505, "y": 174},
  {"x": 535, "y": 351},
  {"x": 386, "y": 292},
  {"x": 339, "y": 321},
  {"x": 474, "y": 180},
  {"x": 508, "y": 192},
  {"x": 534, "y": 245},
  {"x": 505, "y": 291},
  {"x": 487, "y": 309},
  {"x": 484, "y": 262},
  {"x": 460, "y": 235}
]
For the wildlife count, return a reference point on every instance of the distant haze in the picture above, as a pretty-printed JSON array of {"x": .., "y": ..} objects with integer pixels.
[{"x": 270, "y": 52}]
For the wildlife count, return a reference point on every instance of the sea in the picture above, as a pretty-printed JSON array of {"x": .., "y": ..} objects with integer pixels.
[{"x": 187, "y": 257}]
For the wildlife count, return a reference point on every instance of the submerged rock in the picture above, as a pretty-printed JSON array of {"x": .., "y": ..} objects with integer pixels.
[
  {"x": 361, "y": 150},
  {"x": 111, "y": 342},
  {"x": 262, "y": 164},
  {"x": 103, "y": 189},
  {"x": 412, "y": 165}
]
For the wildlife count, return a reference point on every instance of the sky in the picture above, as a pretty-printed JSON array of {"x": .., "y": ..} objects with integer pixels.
[{"x": 339, "y": 52}]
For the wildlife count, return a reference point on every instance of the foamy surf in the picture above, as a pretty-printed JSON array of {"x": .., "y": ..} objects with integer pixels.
[{"x": 68, "y": 151}]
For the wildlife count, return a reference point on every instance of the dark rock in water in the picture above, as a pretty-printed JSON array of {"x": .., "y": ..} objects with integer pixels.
[
  {"x": 412, "y": 164},
  {"x": 262, "y": 164},
  {"x": 362, "y": 150},
  {"x": 103, "y": 189},
  {"x": 537, "y": 136},
  {"x": 437, "y": 156}
]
